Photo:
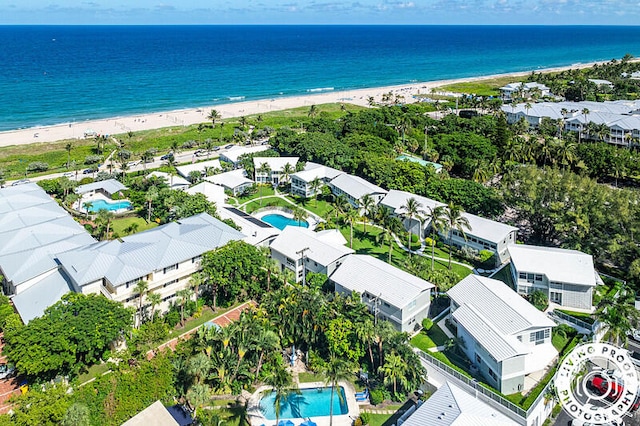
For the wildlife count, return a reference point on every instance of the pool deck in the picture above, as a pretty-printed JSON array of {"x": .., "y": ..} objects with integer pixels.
[
  {"x": 256, "y": 418},
  {"x": 78, "y": 205},
  {"x": 312, "y": 219}
]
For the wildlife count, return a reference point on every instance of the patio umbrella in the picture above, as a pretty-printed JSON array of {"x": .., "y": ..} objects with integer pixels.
[
  {"x": 308, "y": 423},
  {"x": 286, "y": 423}
]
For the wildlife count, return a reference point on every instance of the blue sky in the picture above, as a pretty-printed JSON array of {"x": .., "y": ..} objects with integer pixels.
[{"x": 545, "y": 12}]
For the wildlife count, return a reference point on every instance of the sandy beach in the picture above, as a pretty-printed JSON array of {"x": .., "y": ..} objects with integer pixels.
[{"x": 118, "y": 125}]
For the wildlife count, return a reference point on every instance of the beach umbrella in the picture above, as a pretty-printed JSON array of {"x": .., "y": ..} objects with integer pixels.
[
  {"x": 286, "y": 423},
  {"x": 308, "y": 423}
]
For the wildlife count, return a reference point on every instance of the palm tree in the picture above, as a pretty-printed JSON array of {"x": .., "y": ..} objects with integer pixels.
[
  {"x": 141, "y": 288},
  {"x": 335, "y": 370},
  {"x": 264, "y": 169},
  {"x": 198, "y": 395},
  {"x": 619, "y": 314},
  {"x": 154, "y": 300},
  {"x": 453, "y": 220},
  {"x": 287, "y": 171},
  {"x": 366, "y": 333},
  {"x": 313, "y": 111},
  {"x": 351, "y": 216},
  {"x": 585, "y": 113},
  {"x": 412, "y": 209},
  {"x": 184, "y": 296},
  {"x": 104, "y": 218},
  {"x": 315, "y": 185},
  {"x": 386, "y": 237},
  {"x": 436, "y": 216},
  {"x": 150, "y": 196},
  {"x": 68, "y": 147},
  {"x": 300, "y": 214},
  {"x": 367, "y": 205},
  {"x": 265, "y": 341},
  {"x": 198, "y": 366},
  {"x": 394, "y": 370},
  {"x": 340, "y": 204},
  {"x": 213, "y": 116},
  {"x": 281, "y": 386},
  {"x": 195, "y": 281}
]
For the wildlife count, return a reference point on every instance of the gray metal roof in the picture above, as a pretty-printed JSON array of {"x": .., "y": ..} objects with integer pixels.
[
  {"x": 361, "y": 273},
  {"x": 499, "y": 345},
  {"x": 293, "y": 239},
  {"x": 275, "y": 163},
  {"x": 155, "y": 414},
  {"x": 508, "y": 312},
  {"x": 110, "y": 186},
  {"x": 314, "y": 170},
  {"x": 567, "y": 266},
  {"x": 355, "y": 186},
  {"x": 32, "y": 302},
  {"x": 137, "y": 255},
  {"x": 450, "y": 405},
  {"x": 232, "y": 179}
]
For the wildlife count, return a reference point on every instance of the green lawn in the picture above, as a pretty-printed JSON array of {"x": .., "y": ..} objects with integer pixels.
[
  {"x": 119, "y": 225},
  {"x": 431, "y": 339},
  {"x": 307, "y": 377},
  {"x": 484, "y": 87},
  {"x": 261, "y": 191},
  {"x": 588, "y": 318},
  {"x": 191, "y": 323},
  {"x": 321, "y": 207},
  {"x": 93, "y": 372},
  {"x": 266, "y": 202},
  {"x": 379, "y": 419}
]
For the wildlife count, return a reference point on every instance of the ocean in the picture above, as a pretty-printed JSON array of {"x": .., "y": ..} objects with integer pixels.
[{"x": 59, "y": 74}]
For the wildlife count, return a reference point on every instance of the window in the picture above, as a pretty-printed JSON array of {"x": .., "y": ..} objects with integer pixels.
[
  {"x": 519, "y": 338},
  {"x": 539, "y": 336},
  {"x": 493, "y": 375},
  {"x": 555, "y": 297},
  {"x": 530, "y": 278},
  {"x": 196, "y": 259},
  {"x": 538, "y": 277},
  {"x": 411, "y": 305},
  {"x": 478, "y": 359},
  {"x": 132, "y": 282},
  {"x": 168, "y": 283},
  {"x": 522, "y": 275},
  {"x": 170, "y": 268}
]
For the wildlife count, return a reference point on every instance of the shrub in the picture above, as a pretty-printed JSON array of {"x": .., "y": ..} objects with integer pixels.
[
  {"x": 376, "y": 396},
  {"x": 365, "y": 418},
  {"x": 427, "y": 324},
  {"x": 38, "y": 166},
  {"x": 92, "y": 159},
  {"x": 485, "y": 255},
  {"x": 539, "y": 300}
]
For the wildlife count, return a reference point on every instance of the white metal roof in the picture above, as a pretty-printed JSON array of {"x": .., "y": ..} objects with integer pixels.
[
  {"x": 155, "y": 414},
  {"x": 500, "y": 346},
  {"x": 314, "y": 170},
  {"x": 450, "y": 405},
  {"x": 275, "y": 163},
  {"x": 232, "y": 179},
  {"x": 256, "y": 232},
  {"x": 175, "y": 182},
  {"x": 355, "y": 186},
  {"x": 567, "y": 266},
  {"x": 395, "y": 200},
  {"x": 508, "y": 312},
  {"x": 110, "y": 186},
  {"x": 213, "y": 192},
  {"x": 233, "y": 153},
  {"x": 361, "y": 273},
  {"x": 139, "y": 254},
  {"x": 321, "y": 249},
  {"x": 197, "y": 167},
  {"x": 32, "y": 302}
]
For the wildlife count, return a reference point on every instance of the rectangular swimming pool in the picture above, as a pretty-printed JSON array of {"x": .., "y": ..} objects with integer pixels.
[{"x": 311, "y": 402}]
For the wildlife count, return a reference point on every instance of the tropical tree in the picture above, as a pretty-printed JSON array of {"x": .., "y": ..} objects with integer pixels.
[
  {"x": 198, "y": 366},
  {"x": 394, "y": 370},
  {"x": 436, "y": 217},
  {"x": 150, "y": 196},
  {"x": 367, "y": 205},
  {"x": 281, "y": 386},
  {"x": 300, "y": 214},
  {"x": 619, "y": 314},
  {"x": 140, "y": 289},
  {"x": 315, "y": 185},
  {"x": 313, "y": 111},
  {"x": 197, "y": 396},
  {"x": 68, "y": 147},
  {"x": 184, "y": 296},
  {"x": 335, "y": 370},
  {"x": 412, "y": 209},
  {"x": 287, "y": 171},
  {"x": 454, "y": 221},
  {"x": 213, "y": 116},
  {"x": 195, "y": 281},
  {"x": 351, "y": 216},
  {"x": 366, "y": 332},
  {"x": 154, "y": 300},
  {"x": 264, "y": 342},
  {"x": 104, "y": 219},
  {"x": 264, "y": 170}
]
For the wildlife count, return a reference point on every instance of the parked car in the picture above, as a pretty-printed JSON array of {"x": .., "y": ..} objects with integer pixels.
[
  {"x": 577, "y": 422},
  {"x": 228, "y": 146},
  {"x": 20, "y": 182},
  {"x": 69, "y": 174},
  {"x": 613, "y": 390},
  {"x": 133, "y": 163},
  {"x": 201, "y": 153},
  {"x": 89, "y": 170},
  {"x": 216, "y": 148},
  {"x": 167, "y": 156},
  {"x": 6, "y": 370},
  {"x": 634, "y": 334}
]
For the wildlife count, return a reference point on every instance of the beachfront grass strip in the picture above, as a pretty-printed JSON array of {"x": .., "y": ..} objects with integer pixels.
[
  {"x": 483, "y": 87},
  {"x": 267, "y": 202},
  {"x": 121, "y": 224}
]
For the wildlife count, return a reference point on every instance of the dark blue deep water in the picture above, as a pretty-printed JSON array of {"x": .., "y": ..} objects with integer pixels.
[{"x": 56, "y": 74}]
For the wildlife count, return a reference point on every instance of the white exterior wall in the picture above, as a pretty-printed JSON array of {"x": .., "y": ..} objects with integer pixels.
[
  {"x": 571, "y": 295},
  {"x": 17, "y": 289},
  {"x": 479, "y": 244}
]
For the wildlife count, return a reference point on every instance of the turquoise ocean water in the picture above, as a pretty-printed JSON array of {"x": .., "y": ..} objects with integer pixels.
[{"x": 58, "y": 74}]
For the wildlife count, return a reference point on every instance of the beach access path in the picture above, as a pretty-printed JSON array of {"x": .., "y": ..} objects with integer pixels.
[{"x": 186, "y": 117}]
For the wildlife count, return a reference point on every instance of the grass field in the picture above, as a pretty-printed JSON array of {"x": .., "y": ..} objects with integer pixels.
[
  {"x": 485, "y": 87},
  {"x": 119, "y": 226}
]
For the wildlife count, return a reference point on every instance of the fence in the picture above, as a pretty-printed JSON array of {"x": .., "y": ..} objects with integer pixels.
[
  {"x": 487, "y": 393},
  {"x": 573, "y": 320}
]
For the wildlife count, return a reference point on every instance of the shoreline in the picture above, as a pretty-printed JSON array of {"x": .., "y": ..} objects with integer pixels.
[{"x": 190, "y": 116}]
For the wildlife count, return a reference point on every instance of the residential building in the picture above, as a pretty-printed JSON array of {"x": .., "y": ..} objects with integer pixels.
[
  {"x": 567, "y": 277},
  {"x": 257, "y": 232},
  {"x": 174, "y": 182},
  {"x": 390, "y": 293},
  {"x": 235, "y": 181},
  {"x": 302, "y": 250},
  {"x": 233, "y": 154},
  {"x": 165, "y": 257},
  {"x": 214, "y": 193},
  {"x": 451, "y": 405},
  {"x": 205, "y": 168},
  {"x": 156, "y": 414},
  {"x": 504, "y": 336},
  {"x": 601, "y": 83},
  {"x": 354, "y": 188},
  {"x": 485, "y": 234},
  {"x": 301, "y": 181},
  {"x": 106, "y": 187},
  {"x": 276, "y": 167},
  {"x": 523, "y": 90}
]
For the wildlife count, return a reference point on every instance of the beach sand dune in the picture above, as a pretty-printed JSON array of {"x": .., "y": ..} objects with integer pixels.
[{"x": 191, "y": 116}]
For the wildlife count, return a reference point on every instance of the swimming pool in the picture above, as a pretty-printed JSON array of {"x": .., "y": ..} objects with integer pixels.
[
  {"x": 279, "y": 221},
  {"x": 310, "y": 402},
  {"x": 98, "y": 205}
]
